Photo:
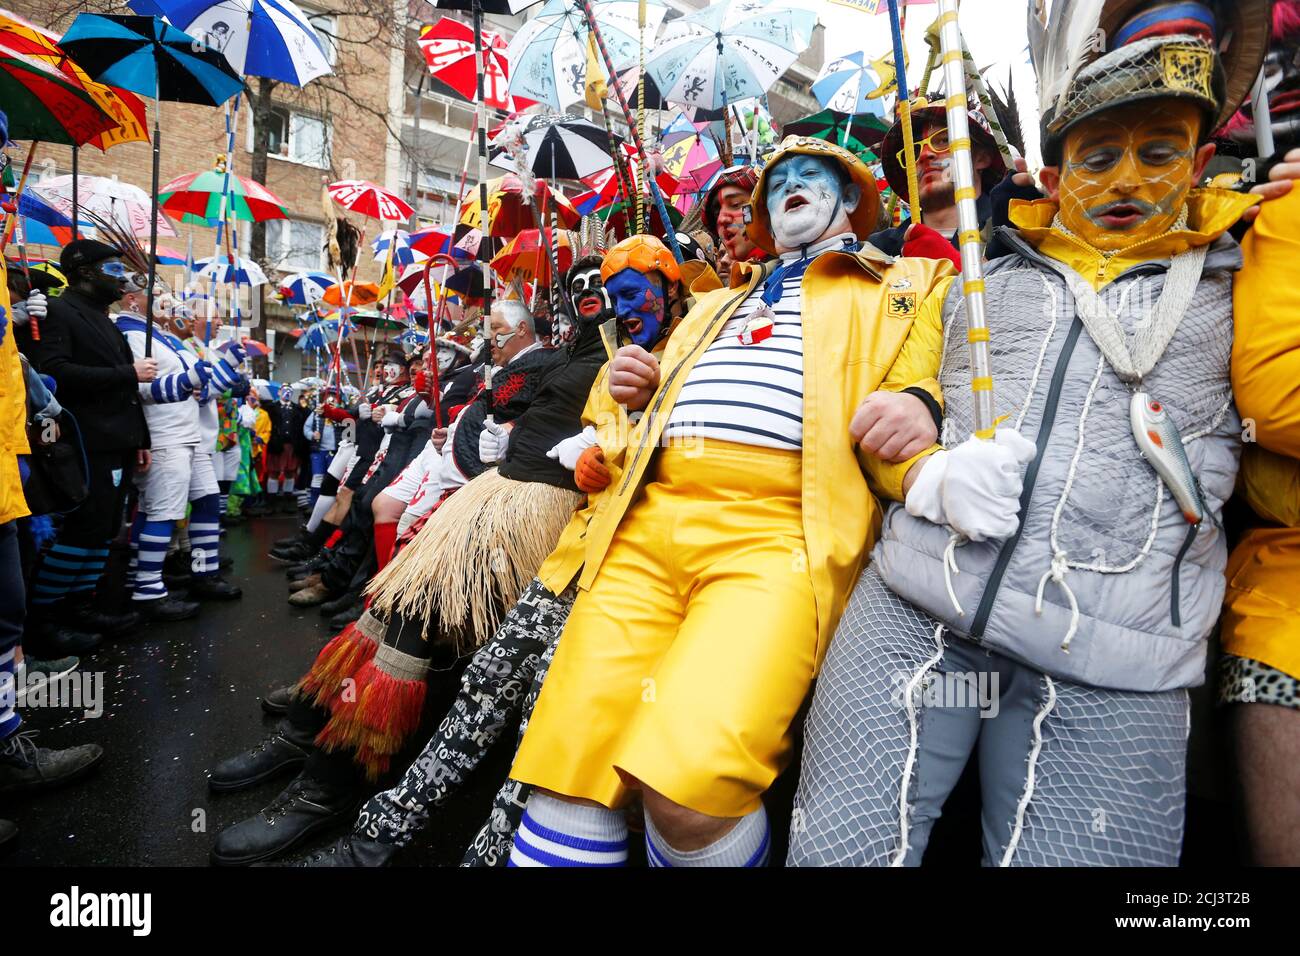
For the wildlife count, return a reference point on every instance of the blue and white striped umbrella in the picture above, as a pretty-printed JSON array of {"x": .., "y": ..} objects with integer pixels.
[
  {"x": 305, "y": 288},
  {"x": 728, "y": 51},
  {"x": 847, "y": 85},
  {"x": 403, "y": 254},
  {"x": 548, "y": 56},
  {"x": 271, "y": 38},
  {"x": 245, "y": 271}
]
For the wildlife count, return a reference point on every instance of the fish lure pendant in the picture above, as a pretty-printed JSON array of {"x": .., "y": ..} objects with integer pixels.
[
  {"x": 759, "y": 327},
  {"x": 1161, "y": 445}
]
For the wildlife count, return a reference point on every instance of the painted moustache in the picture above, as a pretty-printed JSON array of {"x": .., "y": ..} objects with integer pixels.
[{"x": 1122, "y": 214}]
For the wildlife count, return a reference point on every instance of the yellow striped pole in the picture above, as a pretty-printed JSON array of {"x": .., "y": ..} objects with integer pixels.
[{"x": 968, "y": 235}]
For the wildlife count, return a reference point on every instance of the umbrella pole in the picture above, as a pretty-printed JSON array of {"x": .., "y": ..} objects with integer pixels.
[
  {"x": 627, "y": 117},
  {"x": 153, "y": 223},
  {"x": 484, "y": 264},
  {"x": 18, "y": 195},
  {"x": 76, "y": 165},
  {"x": 968, "y": 235},
  {"x": 905, "y": 112}
]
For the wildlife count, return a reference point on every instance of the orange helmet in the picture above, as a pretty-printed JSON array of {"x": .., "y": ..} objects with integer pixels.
[{"x": 642, "y": 253}]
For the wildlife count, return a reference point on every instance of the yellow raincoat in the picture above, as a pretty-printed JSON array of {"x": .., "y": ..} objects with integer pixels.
[
  {"x": 13, "y": 420},
  {"x": 1261, "y": 618}
]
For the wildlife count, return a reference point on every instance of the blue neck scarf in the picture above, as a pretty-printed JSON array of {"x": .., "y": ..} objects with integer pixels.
[{"x": 793, "y": 268}]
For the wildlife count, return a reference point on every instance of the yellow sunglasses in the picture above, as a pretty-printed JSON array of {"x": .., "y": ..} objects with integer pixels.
[{"x": 937, "y": 141}]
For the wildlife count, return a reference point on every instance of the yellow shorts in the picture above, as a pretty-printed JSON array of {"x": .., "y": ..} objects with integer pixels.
[{"x": 685, "y": 664}]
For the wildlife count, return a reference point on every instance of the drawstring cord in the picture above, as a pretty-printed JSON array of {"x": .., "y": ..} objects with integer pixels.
[
  {"x": 1057, "y": 574},
  {"x": 950, "y": 568}
]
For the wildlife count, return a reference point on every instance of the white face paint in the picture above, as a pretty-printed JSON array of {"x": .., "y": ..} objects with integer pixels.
[
  {"x": 446, "y": 357},
  {"x": 805, "y": 201},
  {"x": 391, "y": 372}
]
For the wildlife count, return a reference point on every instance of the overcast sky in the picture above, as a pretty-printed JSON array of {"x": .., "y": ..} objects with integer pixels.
[{"x": 994, "y": 31}]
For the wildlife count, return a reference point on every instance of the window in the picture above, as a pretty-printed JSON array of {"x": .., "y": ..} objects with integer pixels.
[
  {"x": 293, "y": 245},
  {"x": 297, "y": 137},
  {"x": 436, "y": 194},
  {"x": 326, "y": 29}
]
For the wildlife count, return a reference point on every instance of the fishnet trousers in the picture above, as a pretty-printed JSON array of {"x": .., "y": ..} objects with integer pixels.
[{"x": 1069, "y": 775}]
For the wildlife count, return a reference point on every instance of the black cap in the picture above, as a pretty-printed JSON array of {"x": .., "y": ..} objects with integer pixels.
[{"x": 85, "y": 252}]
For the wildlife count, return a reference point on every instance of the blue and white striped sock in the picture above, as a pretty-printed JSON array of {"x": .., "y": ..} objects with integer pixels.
[
  {"x": 747, "y": 844},
  {"x": 554, "y": 834},
  {"x": 57, "y": 573},
  {"x": 9, "y": 719},
  {"x": 155, "y": 536},
  {"x": 92, "y": 569},
  {"x": 133, "y": 538},
  {"x": 205, "y": 536}
]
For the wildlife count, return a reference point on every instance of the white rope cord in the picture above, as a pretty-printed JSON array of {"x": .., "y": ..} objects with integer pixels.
[
  {"x": 1042, "y": 352},
  {"x": 910, "y": 705},
  {"x": 1019, "y": 827},
  {"x": 950, "y": 568}
]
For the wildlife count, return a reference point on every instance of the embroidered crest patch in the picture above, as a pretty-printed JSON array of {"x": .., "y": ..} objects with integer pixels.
[{"x": 900, "y": 305}]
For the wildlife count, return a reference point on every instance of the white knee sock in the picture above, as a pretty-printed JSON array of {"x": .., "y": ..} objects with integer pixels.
[
  {"x": 554, "y": 834},
  {"x": 744, "y": 845},
  {"x": 323, "y": 504},
  {"x": 273, "y": 486}
]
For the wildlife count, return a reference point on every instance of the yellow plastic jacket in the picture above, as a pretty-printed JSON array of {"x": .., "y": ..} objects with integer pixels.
[
  {"x": 1261, "y": 618},
  {"x": 13, "y": 421},
  {"x": 858, "y": 310},
  {"x": 610, "y": 420}
]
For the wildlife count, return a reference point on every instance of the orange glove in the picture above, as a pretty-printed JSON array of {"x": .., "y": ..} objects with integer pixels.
[{"x": 591, "y": 475}]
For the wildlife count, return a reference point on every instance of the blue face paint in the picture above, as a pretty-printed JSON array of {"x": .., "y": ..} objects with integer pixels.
[
  {"x": 805, "y": 196},
  {"x": 638, "y": 302}
]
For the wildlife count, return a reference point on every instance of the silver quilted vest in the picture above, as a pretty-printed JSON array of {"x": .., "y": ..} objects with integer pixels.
[{"x": 1097, "y": 555}]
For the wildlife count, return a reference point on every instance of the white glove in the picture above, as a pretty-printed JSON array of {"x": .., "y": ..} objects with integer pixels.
[
  {"x": 363, "y": 411},
  {"x": 492, "y": 442},
  {"x": 392, "y": 420},
  {"x": 974, "y": 488},
  {"x": 570, "y": 450},
  {"x": 37, "y": 305},
  {"x": 247, "y": 416}
]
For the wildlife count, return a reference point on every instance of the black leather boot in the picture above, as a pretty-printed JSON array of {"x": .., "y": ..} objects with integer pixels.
[
  {"x": 80, "y": 613},
  {"x": 25, "y": 766},
  {"x": 50, "y": 639},
  {"x": 304, "y": 808},
  {"x": 352, "y": 850},
  {"x": 348, "y": 615},
  {"x": 213, "y": 587},
  {"x": 340, "y": 603},
  {"x": 276, "y": 702},
  {"x": 168, "y": 609},
  {"x": 283, "y": 751}
]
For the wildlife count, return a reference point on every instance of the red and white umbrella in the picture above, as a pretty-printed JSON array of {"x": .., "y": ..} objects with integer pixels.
[
  {"x": 359, "y": 196},
  {"x": 448, "y": 48}
]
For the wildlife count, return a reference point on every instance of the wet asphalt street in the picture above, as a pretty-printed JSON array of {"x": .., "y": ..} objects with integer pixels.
[{"x": 178, "y": 698}]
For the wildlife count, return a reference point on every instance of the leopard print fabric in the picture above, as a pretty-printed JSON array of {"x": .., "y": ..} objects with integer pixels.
[{"x": 1246, "y": 681}]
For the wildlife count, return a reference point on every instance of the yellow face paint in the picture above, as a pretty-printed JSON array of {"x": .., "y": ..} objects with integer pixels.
[{"x": 1126, "y": 173}]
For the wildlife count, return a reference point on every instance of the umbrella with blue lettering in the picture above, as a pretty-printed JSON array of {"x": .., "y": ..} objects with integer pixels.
[
  {"x": 404, "y": 254},
  {"x": 728, "y": 51},
  {"x": 245, "y": 271},
  {"x": 305, "y": 288},
  {"x": 851, "y": 84}
]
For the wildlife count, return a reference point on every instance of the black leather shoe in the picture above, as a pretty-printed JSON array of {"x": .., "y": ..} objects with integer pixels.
[
  {"x": 168, "y": 609},
  {"x": 25, "y": 767},
  {"x": 350, "y": 850},
  {"x": 225, "y": 564},
  {"x": 292, "y": 539},
  {"x": 292, "y": 553},
  {"x": 178, "y": 563},
  {"x": 214, "y": 588},
  {"x": 86, "y": 617},
  {"x": 340, "y": 603},
  {"x": 347, "y": 616},
  {"x": 275, "y": 755},
  {"x": 304, "y": 807},
  {"x": 276, "y": 702},
  {"x": 54, "y": 640}
]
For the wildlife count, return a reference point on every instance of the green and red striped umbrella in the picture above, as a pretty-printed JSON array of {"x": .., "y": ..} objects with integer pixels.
[
  {"x": 196, "y": 198},
  {"x": 44, "y": 104}
]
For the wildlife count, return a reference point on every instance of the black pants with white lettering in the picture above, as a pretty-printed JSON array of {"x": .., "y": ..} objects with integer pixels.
[{"x": 499, "y": 686}]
